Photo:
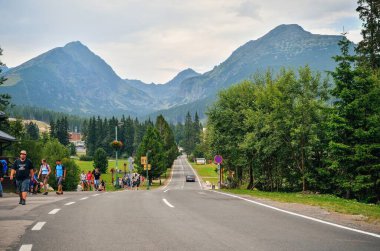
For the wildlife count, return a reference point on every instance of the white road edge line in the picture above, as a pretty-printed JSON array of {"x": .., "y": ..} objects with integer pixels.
[
  {"x": 39, "y": 225},
  {"x": 196, "y": 174},
  {"x": 302, "y": 216},
  {"x": 167, "y": 203},
  {"x": 54, "y": 211},
  {"x": 171, "y": 176},
  {"x": 69, "y": 203},
  {"x": 26, "y": 247},
  {"x": 84, "y": 198}
]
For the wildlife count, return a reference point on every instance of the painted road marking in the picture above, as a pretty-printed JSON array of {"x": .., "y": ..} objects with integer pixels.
[
  {"x": 69, "y": 203},
  {"x": 54, "y": 211},
  {"x": 95, "y": 194},
  {"x": 300, "y": 215},
  {"x": 39, "y": 225},
  {"x": 166, "y": 190},
  {"x": 26, "y": 247},
  {"x": 170, "y": 180},
  {"x": 167, "y": 203},
  {"x": 84, "y": 198}
]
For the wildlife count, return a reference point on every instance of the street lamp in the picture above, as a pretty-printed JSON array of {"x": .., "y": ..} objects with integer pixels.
[
  {"x": 116, "y": 168},
  {"x": 147, "y": 168}
]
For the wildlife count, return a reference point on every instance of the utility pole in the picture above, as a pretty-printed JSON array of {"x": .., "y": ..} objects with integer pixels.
[{"x": 147, "y": 169}]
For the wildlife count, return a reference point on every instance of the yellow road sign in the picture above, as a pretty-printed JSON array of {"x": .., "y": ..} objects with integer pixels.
[
  {"x": 149, "y": 166},
  {"x": 143, "y": 160}
]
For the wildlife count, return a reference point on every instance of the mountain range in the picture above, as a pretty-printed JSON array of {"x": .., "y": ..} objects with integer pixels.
[{"x": 74, "y": 80}]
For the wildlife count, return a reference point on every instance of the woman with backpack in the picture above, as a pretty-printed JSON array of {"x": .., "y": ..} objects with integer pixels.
[{"x": 44, "y": 173}]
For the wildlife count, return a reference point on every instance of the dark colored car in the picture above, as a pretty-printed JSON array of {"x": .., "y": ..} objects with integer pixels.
[{"x": 190, "y": 178}]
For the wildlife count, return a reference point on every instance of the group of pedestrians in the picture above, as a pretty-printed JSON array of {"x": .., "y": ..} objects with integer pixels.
[
  {"x": 131, "y": 181},
  {"x": 91, "y": 181},
  {"x": 23, "y": 172}
]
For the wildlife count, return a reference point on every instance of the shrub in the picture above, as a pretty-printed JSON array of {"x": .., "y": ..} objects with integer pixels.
[
  {"x": 100, "y": 160},
  {"x": 86, "y": 158},
  {"x": 72, "y": 175}
]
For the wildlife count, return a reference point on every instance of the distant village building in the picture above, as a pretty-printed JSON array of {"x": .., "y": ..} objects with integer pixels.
[{"x": 75, "y": 137}]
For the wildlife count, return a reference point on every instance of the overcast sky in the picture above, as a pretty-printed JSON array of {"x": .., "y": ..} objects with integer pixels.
[{"x": 153, "y": 40}]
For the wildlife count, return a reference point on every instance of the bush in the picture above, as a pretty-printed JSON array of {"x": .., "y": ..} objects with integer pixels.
[
  {"x": 100, "y": 160},
  {"x": 86, "y": 158},
  {"x": 72, "y": 175},
  {"x": 72, "y": 149},
  {"x": 53, "y": 150}
]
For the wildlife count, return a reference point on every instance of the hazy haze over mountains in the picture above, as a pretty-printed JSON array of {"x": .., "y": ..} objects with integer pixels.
[{"x": 73, "y": 79}]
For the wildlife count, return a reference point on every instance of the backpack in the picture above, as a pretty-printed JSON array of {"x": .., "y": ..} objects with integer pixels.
[{"x": 5, "y": 165}]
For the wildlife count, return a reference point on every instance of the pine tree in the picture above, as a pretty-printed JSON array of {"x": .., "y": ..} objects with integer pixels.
[
  {"x": 355, "y": 129},
  {"x": 197, "y": 128},
  {"x": 151, "y": 142},
  {"x": 369, "y": 47},
  {"x": 32, "y": 131},
  {"x": 91, "y": 138},
  {"x": 4, "y": 98},
  {"x": 169, "y": 146},
  {"x": 189, "y": 136}
]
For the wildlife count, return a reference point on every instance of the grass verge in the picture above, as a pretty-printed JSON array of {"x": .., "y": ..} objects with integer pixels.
[
  {"x": 206, "y": 172},
  {"x": 325, "y": 201},
  {"x": 107, "y": 177}
]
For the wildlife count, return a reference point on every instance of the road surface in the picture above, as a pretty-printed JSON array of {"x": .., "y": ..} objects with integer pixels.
[{"x": 180, "y": 216}]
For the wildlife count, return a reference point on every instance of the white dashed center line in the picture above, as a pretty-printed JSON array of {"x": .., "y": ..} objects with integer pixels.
[
  {"x": 95, "y": 195},
  {"x": 26, "y": 247},
  {"x": 167, "y": 203},
  {"x": 39, "y": 225},
  {"x": 54, "y": 211},
  {"x": 84, "y": 198},
  {"x": 69, "y": 203}
]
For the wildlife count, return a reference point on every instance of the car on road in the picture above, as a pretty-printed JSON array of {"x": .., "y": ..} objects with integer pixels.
[{"x": 190, "y": 178}]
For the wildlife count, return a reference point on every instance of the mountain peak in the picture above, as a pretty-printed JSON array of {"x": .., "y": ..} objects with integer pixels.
[
  {"x": 185, "y": 74},
  {"x": 74, "y": 44},
  {"x": 286, "y": 30}
]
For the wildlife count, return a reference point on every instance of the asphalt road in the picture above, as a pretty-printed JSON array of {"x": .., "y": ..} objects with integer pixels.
[{"x": 180, "y": 216}]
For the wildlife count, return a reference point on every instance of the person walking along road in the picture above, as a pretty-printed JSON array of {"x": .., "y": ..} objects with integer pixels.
[
  {"x": 60, "y": 173},
  {"x": 23, "y": 168},
  {"x": 96, "y": 174},
  {"x": 44, "y": 173},
  {"x": 1, "y": 178}
]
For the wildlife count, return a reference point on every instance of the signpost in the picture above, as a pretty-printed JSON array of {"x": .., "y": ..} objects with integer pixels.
[
  {"x": 218, "y": 160},
  {"x": 130, "y": 166},
  {"x": 144, "y": 160}
]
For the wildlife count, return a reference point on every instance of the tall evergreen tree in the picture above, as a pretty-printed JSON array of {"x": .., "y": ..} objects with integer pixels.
[
  {"x": 91, "y": 138},
  {"x": 4, "y": 98},
  {"x": 32, "y": 131},
  {"x": 355, "y": 130},
  {"x": 189, "y": 136},
  {"x": 168, "y": 143},
  {"x": 369, "y": 47},
  {"x": 129, "y": 135},
  {"x": 151, "y": 142},
  {"x": 197, "y": 129}
]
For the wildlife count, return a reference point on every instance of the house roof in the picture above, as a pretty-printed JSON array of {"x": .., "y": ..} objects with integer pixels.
[{"x": 5, "y": 137}]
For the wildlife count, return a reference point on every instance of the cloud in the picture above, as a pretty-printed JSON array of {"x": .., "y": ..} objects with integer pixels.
[
  {"x": 152, "y": 40},
  {"x": 249, "y": 9}
]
